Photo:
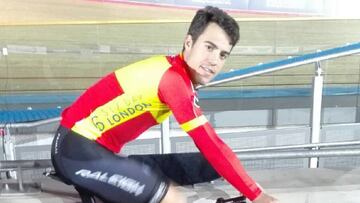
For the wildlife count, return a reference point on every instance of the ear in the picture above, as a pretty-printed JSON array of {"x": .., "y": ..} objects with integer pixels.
[{"x": 188, "y": 42}]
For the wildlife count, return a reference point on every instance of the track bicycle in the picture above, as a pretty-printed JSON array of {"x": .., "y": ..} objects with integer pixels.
[{"x": 87, "y": 197}]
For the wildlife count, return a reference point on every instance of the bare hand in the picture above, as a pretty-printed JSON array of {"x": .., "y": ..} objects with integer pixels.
[{"x": 265, "y": 198}]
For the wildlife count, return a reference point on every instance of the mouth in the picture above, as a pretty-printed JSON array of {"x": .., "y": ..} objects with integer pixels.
[{"x": 207, "y": 69}]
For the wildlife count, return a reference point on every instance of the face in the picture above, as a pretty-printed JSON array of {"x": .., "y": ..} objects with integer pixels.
[{"x": 206, "y": 57}]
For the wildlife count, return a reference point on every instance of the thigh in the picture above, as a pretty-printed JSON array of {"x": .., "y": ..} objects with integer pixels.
[
  {"x": 182, "y": 168},
  {"x": 117, "y": 179},
  {"x": 108, "y": 176}
]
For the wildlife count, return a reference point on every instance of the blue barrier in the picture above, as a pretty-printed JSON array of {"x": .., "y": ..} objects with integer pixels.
[
  {"x": 24, "y": 115},
  {"x": 285, "y": 63}
]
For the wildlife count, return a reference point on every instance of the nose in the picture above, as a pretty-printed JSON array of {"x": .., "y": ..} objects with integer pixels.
[{"x": 213, "y": 58}]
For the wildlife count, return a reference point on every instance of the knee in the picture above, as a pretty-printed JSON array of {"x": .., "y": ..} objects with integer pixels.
[{"x": 173, "y": 195}]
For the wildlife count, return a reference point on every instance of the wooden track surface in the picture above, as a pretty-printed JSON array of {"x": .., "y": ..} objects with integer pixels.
[
  {"x": 68, "y": 34},
  {"x": 65, "y": 11}
]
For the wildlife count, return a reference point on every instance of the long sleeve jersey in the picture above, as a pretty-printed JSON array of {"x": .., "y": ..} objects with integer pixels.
[{"x": 130, "y": 100}]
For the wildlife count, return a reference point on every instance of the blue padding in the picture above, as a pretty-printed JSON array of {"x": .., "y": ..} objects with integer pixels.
[
  {"x": 278, "y": 63},
  {"x": 22, "y": 116},
  {"x": 38, "y": 98}
]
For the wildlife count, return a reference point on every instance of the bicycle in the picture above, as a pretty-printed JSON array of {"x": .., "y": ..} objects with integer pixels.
[{"x": 87, "y": 197}]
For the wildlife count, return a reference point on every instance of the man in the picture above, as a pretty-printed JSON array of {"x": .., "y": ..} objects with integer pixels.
[{"x": 125, "y": 103}]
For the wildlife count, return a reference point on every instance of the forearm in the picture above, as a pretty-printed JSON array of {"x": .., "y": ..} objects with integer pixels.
[{"x": 225, "y": 162}]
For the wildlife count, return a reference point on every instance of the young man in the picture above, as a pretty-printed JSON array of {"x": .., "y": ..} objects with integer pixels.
[{"x": 125, "y": 103}]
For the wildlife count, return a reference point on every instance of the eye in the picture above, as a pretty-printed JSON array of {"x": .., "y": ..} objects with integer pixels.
[
  {"x": 209, "y": 47},
  {"x": 223, "y": 56}
]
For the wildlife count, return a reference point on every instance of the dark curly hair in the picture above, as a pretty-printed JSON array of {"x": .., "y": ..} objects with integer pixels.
[{"x": 213, "y": 14}]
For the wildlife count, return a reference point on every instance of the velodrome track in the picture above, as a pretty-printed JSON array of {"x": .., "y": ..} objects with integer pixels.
[
  {"x": 70, "y": 44},
  {"x": 79, "y": 11}
]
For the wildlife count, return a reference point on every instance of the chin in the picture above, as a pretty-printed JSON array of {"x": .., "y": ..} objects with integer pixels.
[
  {"x": 203, "y": 82},
  {"x": 206, "y": 81}
]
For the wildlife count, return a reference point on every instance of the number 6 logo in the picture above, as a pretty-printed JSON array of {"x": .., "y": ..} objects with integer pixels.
[{"x": 99, "y": 125}]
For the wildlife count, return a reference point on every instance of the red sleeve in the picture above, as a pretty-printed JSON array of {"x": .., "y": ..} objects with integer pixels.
[
  {"x": 176, "y": 91},
  {"x": 224, "y": 160}
]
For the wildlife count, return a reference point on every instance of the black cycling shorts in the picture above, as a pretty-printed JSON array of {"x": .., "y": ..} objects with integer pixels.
[{"x": 91, "y": 167}]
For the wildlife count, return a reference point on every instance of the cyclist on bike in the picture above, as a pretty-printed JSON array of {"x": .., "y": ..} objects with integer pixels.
[{"x": 128, "y": 101}]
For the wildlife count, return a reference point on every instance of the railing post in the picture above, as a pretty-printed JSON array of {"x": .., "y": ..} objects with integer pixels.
[
  {"x": 9, "y": 149},
  {"x": 20, "y": 179},
  {"x": 165, "y": 142},
  {"x": 316, "y": 112},
  {"x": 8, "y": 145}
]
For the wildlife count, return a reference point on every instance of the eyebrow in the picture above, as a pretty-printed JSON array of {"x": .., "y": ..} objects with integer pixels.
[{"x": 214, "y": 45}]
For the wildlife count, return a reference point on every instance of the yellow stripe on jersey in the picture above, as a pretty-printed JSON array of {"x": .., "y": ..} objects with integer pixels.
[
  {"x": 139, "y": 82},
  {"x": 85, "y": 129},
  {"x": 144, "y": 83},
  {"x": 194, "y": 123},
  {"x": 110, "y": 115}
]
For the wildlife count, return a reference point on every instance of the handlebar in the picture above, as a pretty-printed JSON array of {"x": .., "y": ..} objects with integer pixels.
[{"x": 239, "y": 199}]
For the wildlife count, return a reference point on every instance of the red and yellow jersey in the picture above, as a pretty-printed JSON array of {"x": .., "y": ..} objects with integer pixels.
[{"x": 125, "y": 103}]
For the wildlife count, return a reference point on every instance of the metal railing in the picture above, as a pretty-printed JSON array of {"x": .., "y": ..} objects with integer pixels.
[
  {"x": 318, "y": 81},
  {"x": 290, "y": 62},
  {"x": 244, "y": 155},
  {"x": 310, "y": 150}
]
